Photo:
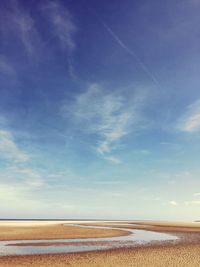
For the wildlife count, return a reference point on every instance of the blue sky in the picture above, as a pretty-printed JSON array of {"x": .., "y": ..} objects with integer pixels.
[{"x": 100, "y": 109}]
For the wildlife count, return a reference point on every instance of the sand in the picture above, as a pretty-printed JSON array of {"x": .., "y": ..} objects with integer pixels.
[
  {"x": 22, "y": 231},
  {"x": 153, "y": 256},
  {"x": 157, "y": 226}
]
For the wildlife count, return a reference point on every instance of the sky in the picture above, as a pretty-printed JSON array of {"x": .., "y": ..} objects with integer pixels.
[{"x": 100, "y": 109}]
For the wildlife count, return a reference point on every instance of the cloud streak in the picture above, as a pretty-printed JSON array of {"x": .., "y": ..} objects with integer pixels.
[
  {"x": 193, "y": 202},
  {"x": 62, "y": 30},
  {"x": 173, "y": 203},
  {"x": 109, "y": 116},
  {"x": 190, "y": 121},
  {"x": 130, "y": 52},
  {"x": 196, "y": 194},
  {"x": 62, "y": 26},
  {"x": 19, "y": 24},
  {"x": 9, "y": 149}
]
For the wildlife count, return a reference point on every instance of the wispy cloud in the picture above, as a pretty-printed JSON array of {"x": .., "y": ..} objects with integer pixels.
[
  {"x": 10, "y": 192},
  {"x": 190, "y": 121},
  {"x": 196, "y": 194},
  {"x": 109, "y": 116},
  {"x": 62, "y": 25},
  {"x": 19, "y": 199},
  {"x": 112, "y": 159},
  {"x": 31, "y": 177},
  {"x": 193, "y": 202},
  {"x": 18, "y": 23},
  {"x": 22, "y": 26},
  {"x": 62, "y": 29},
  {"x": 173, "y": 203},
  {"x": 19, "y": 187},
  {"x": 26, "y": 29},
  {"x": 21, "y": 177},
  {"x": 9, "y": 149}
]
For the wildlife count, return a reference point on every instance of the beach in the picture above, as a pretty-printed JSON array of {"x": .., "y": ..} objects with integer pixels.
[{"x": 184, "y": 252}]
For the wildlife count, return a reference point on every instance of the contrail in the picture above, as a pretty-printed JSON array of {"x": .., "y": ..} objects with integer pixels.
[{"x": 131, "y": 52}]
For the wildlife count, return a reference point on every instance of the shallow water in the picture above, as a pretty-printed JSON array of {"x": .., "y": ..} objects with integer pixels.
[{"x": 136, "y": 237}]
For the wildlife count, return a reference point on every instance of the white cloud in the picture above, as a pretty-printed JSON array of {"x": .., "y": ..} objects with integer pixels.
[
  {"x": 62, "y": 29},
  {"x": 112, "y": 159},
  {"x": 196, "y": 194},
  {"x": 19, "y": 200},
  {"x": 14, "y": 185},
  {"x": 173, "y": 203},
  {"x": 25, "y": 27},
  {"x": 109, "y": 116},
  {"x": 31, "y": 177},
  {"x": 20, "y": 176},
  {"x": 190, "y": 122},
  {"x": 9, "y": 149},
  {"x": 20, "y": 191},
  {"x": 9, "y": 192},
  {"x": 184, "y": 174},
  {"x": 193, "y": 202},
  {"x": 20, "y": 26},
  {"x": 18, "y": 23},
  {"x": 196, "y": 202},
  {"x": 61, "y": 23}
]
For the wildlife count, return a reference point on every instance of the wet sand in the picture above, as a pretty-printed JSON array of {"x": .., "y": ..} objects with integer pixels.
[{"x": 152, "y": 256}]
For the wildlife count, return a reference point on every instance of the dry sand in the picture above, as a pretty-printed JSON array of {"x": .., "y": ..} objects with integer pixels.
[
  {"x": 52, "y": 231},
  {"x": 171, "y": 226},
  {"x": 157, "y": 226}
]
